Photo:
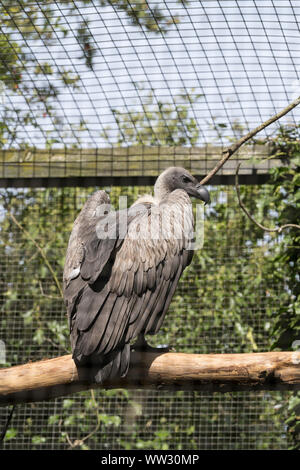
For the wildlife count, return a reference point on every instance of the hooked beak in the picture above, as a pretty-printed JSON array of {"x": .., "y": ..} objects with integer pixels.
[{"x": 202, "y": 193}]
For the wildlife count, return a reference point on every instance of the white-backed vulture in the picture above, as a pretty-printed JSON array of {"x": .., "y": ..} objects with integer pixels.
[{"x": 122, "y": 269}]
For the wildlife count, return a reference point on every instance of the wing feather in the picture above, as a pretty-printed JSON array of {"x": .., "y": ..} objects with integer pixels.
[
  {"x": 84, "y": 221},
  {"x": 90, "y": 306},
  {"x": 124, "y": 285}
]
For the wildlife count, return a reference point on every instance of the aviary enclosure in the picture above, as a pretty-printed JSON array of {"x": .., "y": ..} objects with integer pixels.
[{"x": 107, "y": 94}]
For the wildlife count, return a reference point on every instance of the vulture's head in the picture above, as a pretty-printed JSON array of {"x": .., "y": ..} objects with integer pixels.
[{"x": 179, "y": 178}]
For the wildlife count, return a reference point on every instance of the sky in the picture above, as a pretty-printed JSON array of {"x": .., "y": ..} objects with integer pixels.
[{"x": 242, "y": 57}]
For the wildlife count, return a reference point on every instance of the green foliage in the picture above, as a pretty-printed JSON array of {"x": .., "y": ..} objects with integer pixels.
[
  {"x": 215, "y": 307},
  {"x": 286, "y": 264},
  {"x": 24, "y": 22},
  {"x": 158, "y": 123},
  {"x": 226, "y": 302},
  {"x": 211, "y": 312},
  {"x": 242, "y": 286},
  {"x": 145, "y": 14}
]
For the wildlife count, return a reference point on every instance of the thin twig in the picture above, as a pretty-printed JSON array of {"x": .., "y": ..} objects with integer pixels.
[
  {"x": 53, "y": 297},
  {"x": 80, "y": 442},
  {"x": 65, "y": 433},
  {"x": 266, "y": 229},
  {"x": 57, "y": 346},
  {"x": 43, "y": 254},
  {"x": 231, "y": 150},
  {"x": 4, "y": 431}
]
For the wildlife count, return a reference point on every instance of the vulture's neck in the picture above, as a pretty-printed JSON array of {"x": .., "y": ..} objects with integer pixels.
[{"x": 161, "y": 189}]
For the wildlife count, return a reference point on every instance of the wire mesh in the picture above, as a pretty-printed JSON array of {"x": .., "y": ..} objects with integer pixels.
[
  {"x": 115, "y": 88},
  {"x": 98, "y": 75},
  {"x": 224, "y": 303}
]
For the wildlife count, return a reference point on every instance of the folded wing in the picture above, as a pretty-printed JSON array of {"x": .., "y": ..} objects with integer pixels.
[{"x": 121, "y": 285}]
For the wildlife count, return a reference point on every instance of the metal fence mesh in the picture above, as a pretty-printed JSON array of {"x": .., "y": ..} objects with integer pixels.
[
  {"x": 115, "y": 89},
  {"x": 99, "y": 74},
  {"x": 224, "y": 303}
]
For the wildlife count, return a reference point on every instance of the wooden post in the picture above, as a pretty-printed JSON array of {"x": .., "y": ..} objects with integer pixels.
[{"x": 51, "y": 378}]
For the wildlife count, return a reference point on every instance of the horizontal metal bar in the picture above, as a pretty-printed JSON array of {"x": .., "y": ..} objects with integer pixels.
[{"x": 88, "y": 181}]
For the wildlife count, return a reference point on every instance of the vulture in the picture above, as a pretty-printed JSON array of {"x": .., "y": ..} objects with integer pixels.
[{"x": 121, "y": 271}]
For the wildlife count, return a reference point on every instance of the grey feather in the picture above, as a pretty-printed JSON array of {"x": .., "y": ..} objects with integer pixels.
[{"x": 118, "y": 287}]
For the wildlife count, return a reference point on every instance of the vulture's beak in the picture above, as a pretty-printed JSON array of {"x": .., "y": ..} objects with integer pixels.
[{"x": 202, "y": 193}]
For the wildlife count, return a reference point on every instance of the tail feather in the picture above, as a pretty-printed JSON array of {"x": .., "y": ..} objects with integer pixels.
[{"x": 101, "y": 368}]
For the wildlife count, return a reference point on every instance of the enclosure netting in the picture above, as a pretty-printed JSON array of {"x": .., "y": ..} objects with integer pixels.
[
  {"x": 116, "y": 89},
  {"x": 79, "y": 79},
  {"x": 224, "y": 303}
]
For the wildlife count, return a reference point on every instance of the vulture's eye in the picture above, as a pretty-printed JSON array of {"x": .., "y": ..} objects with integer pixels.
[{"x": 186, "y": 179}]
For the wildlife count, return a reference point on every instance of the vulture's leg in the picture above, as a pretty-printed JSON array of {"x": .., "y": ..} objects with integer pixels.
[{"x": 142, "y": 346}]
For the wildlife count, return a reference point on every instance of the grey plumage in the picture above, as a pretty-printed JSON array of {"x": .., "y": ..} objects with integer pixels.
[{"x": 117, "y": 288}]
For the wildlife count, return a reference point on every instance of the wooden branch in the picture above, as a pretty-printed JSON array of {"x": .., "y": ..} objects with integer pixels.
[
  {"x": 231, "y": 150},
  {"x": 211, "y": 372},
  {"x": 245, "y": 210}
]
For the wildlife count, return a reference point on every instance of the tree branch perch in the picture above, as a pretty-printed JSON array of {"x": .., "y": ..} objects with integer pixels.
[{"x": 56, "y": 377}]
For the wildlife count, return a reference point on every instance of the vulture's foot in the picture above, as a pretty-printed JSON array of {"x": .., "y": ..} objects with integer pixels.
[{"x": 141, "y": 345}]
